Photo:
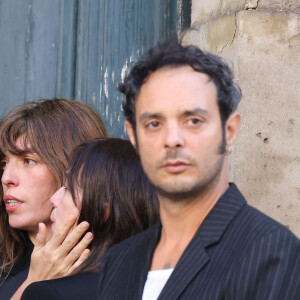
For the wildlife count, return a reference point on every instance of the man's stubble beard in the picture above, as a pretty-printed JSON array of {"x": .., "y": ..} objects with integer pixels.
[{"x": 200, "y": 187}]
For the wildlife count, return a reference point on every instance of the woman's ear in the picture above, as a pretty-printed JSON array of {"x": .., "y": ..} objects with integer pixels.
[
  {"x": 130, "y": 133},
  {"x": 106, "y": 214}
]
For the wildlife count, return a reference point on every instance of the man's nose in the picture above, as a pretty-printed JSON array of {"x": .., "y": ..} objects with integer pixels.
[{"x": 174, "y": 137}]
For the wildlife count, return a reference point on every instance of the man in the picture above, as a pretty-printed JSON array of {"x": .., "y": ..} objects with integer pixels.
[{"x": 180, "y": 116}]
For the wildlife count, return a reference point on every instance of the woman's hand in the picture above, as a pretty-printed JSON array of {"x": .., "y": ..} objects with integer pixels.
[{"x": 60, "y": 256}]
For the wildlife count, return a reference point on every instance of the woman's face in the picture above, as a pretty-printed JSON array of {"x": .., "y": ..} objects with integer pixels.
[
  {"x": 64, "y": 206},
  {"x": 27, "y": 186}
]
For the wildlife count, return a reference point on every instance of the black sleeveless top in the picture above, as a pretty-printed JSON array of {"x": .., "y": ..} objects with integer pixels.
[{"x": 10, "y": 283}]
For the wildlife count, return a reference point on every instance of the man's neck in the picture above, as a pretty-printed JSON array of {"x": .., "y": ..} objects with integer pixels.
[
  {"x": 180, "y": 221},
  {"x": 187, "y": 215}
]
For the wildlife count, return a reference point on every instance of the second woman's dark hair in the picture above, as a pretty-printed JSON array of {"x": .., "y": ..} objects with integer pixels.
[{"x": 118, "y": 200}]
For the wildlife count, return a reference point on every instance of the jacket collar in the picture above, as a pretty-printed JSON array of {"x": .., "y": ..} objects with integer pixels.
[
  {"x": 214, "y": 225},
  {"x": 195, "y": 257}
]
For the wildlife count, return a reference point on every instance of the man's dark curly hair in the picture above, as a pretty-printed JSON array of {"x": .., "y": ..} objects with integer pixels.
[{"x": 172, "y": 54}]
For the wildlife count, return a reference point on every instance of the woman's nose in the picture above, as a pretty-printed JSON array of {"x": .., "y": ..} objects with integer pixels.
[
  {"x": 56, "y": 198},
  {"x": 10, "y": 175}
]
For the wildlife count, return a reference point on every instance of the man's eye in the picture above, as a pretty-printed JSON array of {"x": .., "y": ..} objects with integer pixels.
[
  {"x": 153, "y": 124},
  {"x": 194, "y": 121}
]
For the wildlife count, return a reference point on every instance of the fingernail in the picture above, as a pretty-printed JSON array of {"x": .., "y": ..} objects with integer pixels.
[
  {"x": 89, "y": 235},
  {"x": 85, "y": 225}
]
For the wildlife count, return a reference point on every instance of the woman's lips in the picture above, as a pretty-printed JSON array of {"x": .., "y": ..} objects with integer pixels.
[{"x": 11, "y": 203}]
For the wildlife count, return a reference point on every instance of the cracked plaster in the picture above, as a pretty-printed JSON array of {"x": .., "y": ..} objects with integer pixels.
[{"x": 263, "y": 43}]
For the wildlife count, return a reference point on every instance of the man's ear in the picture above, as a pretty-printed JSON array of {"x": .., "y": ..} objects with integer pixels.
[
  {"x": 232, "y": 128},
  {"x": 130, "y": 133}
]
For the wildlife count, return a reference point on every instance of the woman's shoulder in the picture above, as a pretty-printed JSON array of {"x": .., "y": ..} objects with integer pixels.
[
  {"x": 79, "y": 286},
  {"x": 20, "y": 265},
  {"x": 11, "y": 280}
]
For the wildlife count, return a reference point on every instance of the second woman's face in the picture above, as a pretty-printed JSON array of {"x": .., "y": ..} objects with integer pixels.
[
  {"x": 64, "y": 207},
  {"x": 27, "y": 186}
]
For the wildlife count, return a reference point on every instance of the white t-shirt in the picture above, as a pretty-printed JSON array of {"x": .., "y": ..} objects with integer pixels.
[{"x": 155, "y": 282}]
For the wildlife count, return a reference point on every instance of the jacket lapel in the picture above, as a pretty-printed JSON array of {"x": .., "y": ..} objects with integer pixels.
[
  {"x": 191, "y": 262},
  {"x": 195, "y": 257}
]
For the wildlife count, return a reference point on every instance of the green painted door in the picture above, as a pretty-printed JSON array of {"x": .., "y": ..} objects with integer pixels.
[{"x": 80, "y": 49}]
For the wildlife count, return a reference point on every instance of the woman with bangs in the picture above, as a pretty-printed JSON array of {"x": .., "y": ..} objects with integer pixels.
[{"x": 36, "y": 140}]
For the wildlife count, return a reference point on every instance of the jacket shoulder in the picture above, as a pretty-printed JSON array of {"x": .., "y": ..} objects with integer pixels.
[
  {"x": 128, "y": 246},
  {"x": 259, "y": 224}
]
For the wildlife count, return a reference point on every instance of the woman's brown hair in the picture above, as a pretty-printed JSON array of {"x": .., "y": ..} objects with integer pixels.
[
  {"x": 53, "y": 128},
  {"x": 118, "y": 200}
]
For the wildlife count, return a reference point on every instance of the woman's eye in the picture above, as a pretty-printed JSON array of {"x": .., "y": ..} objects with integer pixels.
[
  {"x": 65, "y": 188},
  {"x": 3, "y": 164},
  {"x": 29, "y": 161}
]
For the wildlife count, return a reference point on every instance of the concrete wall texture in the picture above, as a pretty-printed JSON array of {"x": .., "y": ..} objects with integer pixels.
[{"x": 261, "y": 39}]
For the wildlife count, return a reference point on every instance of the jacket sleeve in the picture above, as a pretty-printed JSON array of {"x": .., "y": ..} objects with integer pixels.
[{"x": 269, "y": 270}]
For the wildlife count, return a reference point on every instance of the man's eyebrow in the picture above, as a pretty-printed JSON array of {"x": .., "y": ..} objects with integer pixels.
[
  {"x": 196, "y": 111},
  {"x": 146, "y": 115}
]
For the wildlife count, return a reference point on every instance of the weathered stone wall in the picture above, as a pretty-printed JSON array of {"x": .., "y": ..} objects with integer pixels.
[{"x": 262, "y": 40}]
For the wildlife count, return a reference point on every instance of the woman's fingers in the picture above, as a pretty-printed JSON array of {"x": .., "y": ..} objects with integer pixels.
[
  {"x": 73, "y": 238},
  {"x": 64, "y": 252},
  {"x": 84, "y": 255},
  {"x": 72, "y": 247},
  {"x": 41, "y": 237},
  {"x": 61, "y": 232},
  {"x": 77, "y": 251}
]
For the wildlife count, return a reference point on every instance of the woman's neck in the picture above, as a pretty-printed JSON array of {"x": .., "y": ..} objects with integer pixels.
[{"x": 45, "y": 233}]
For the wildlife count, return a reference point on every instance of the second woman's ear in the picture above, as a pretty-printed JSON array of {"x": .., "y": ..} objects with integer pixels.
[
  {"x": 130, "y": 133},
  {"x": 106, "y": 214}
]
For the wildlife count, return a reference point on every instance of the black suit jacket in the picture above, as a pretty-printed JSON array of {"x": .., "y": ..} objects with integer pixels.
[
  {"x": 81, "y": 286},
  {"x": 237, "y": 253}
]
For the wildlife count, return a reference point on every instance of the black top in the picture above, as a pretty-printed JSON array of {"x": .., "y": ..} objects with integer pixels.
[
  {"x": 80, "y": 286},
  {"x": 237, "y": 253},
  {"x": 11, "y": 282}
]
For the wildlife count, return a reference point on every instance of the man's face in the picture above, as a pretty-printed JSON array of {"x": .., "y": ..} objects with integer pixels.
[{"x": 179, "y": 132}]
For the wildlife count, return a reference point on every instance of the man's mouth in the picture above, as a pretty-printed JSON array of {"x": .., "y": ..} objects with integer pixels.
[{"x": 175, "y": 167}]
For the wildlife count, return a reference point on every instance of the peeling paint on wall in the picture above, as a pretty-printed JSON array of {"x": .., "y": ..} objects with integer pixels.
[
  {"x": 113, "y": 76},
  {"x": 94, "y": 98},
  {"x": 106, "y": 110},
  {"x": 124, "y": 69},
  {"x": 105, "y": 83}
]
